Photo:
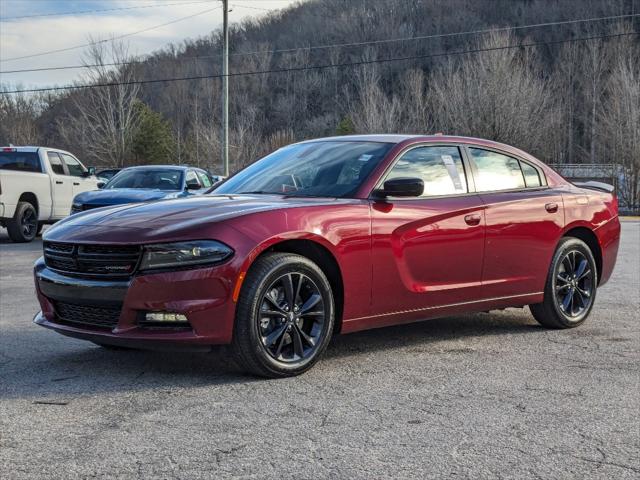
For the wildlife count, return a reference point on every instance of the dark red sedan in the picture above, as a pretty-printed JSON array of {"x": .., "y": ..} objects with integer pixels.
[{"x": 332, "y": 235}]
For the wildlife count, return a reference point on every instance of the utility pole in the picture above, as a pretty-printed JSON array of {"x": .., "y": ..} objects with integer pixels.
[{"x": 225, "y": 88}]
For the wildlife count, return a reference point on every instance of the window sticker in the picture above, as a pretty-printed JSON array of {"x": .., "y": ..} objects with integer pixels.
[
  {"x": 364, "y": 158},
  {"x": 453, "y": 171}
]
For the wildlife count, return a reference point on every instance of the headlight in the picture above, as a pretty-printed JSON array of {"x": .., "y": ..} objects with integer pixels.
[{"x": 198, "y": 252}]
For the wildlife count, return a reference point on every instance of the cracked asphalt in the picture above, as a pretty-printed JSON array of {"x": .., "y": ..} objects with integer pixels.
[{"x": 489, "y": 395}]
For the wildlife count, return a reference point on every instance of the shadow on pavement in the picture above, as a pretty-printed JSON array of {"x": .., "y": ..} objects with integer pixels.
[{"x": 67, "y": 368}]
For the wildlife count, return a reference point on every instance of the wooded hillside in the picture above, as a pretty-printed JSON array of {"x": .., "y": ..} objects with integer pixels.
[{"x": 564, "y": 101}]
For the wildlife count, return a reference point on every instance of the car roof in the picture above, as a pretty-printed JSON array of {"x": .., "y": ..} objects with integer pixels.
[
  {"x": 160, "y": 167},
  {"x": 438, "y": 138}
]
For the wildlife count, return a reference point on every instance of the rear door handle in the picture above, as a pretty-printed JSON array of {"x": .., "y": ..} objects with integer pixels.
[
  {"x": 473, "y": 219},
  {"x": 59, "y": 182},
  {"x": 551, "y": 207}
]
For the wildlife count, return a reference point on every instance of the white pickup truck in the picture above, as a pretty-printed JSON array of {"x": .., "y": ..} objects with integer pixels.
[{"x": 37, "y": 186}]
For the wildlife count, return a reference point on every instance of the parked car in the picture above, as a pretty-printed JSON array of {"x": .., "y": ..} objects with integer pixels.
[
  {"x": 332, "y": 235},
  {"x": 107, "y": 174},
  {"x": 37, "y": 185},
  {"x": 143, "y": 184}
]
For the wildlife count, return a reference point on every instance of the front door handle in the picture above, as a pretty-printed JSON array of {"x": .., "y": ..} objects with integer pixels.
[
  {"x": 76, "y": 184},
  {"x": 472, "y": 219},
  {"x": 59, "y": 182},
  {"x": 551, "y": 207}
]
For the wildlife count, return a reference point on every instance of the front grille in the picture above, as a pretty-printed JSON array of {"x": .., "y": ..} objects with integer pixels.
[
  {"x": 91, "y": 206},
  {"x": 85, "y": 207},
  {"x": 94, "y": 316},
  {"x": 117, "y": 261}
]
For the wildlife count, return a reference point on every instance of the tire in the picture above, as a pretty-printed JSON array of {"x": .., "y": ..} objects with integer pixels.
[
  {"x": 274, "y": 337},
  {"x": 23, "y": 227},
  {"x": 570, "y": 289}
]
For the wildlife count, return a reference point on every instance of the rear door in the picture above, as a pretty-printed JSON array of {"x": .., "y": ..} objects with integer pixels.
[
  {"x": 524, "y": 221},
  {"x": 61, "y": 185},
  {"x": 427, "y": 251}
]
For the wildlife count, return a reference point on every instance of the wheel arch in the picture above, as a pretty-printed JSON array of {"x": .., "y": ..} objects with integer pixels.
[
  {"x": 32, "y": 198},
  {"x": 316, "y": 250},
  {"x": 590, "y": 238}
]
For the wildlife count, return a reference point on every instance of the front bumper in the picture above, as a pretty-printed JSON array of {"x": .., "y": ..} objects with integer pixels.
[{"x": 203, "y": 295}]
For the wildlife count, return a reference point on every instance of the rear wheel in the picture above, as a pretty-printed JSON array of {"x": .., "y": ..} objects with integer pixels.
[
  {"x": 23, "y": 227},
  {"x": 285, "y": 316},
  {"x": 570, "y": 290}
]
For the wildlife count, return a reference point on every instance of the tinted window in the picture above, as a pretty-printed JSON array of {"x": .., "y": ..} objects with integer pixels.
[
  {"x": 531, "y": 175},
  {"x": 74, "y": 166},
  {"x": 440, "y": 168},
  {"x": 496, "y": 171},
  {"x": 204, "y": 179},
  {"x": 21, "y": 161},
  {"x": 316, "y": 169},
  {"x": 191, "y": 178},
  {"x": 56, "y": 163},
  {"x": 147, "y": 178}
]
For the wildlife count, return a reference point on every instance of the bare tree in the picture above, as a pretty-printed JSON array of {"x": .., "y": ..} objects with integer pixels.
[
  {"x": 501, "y": 95},
  {"x": 104, "y": 119},
  {"x": 621, "y": 127},
  {"x": 18, "y": 119}
]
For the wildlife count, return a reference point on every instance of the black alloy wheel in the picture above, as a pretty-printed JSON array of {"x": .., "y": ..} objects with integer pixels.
[
  {"x": 574, "y": 284},
  {"x": 284, "y": 316},
  {"x": 571, "y": 285},
  {"x": 23, "y": 227},
  {"x": 291, "y": 317}
]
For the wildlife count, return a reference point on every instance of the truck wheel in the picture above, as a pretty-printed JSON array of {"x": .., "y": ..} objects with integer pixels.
[{"x": 23, "y": 227}]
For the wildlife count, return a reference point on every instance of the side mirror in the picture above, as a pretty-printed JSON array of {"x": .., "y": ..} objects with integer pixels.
[
  {"x": 100, "y": 184},
  {"x": 193, "y": 185},
  {"x": 402, "y": 187},
  {"x": 90, "y": 171}
]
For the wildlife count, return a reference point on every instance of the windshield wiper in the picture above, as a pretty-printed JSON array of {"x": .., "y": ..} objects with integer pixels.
[{"x": 257, "y": 192}]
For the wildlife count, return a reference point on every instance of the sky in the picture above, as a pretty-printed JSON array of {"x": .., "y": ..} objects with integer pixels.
[{"x": 55, "y": 29}]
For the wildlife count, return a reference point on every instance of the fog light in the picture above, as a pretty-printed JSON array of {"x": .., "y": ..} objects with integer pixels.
[{"x": 165, "y": 317}]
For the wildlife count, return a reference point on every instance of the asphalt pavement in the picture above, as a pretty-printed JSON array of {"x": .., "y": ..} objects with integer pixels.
[{"x": 490, "y": 395}]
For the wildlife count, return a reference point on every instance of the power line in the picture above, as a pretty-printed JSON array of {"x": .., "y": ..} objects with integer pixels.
[
  {"x": 111, "y": 39},
  {"x": 83, "y": 12},
  {"x": 320, "y": 67},
  {"x": 340, "y": 45}
]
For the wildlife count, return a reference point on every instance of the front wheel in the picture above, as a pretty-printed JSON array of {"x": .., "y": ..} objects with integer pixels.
[
  {"x": 570, "y": 290},
  {"x": 284, "y": 317}
]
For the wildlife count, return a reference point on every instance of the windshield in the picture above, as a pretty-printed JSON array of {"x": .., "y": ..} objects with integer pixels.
[
  {"x": 147, "y": 178},
  {"x": 315, "y": 169}
]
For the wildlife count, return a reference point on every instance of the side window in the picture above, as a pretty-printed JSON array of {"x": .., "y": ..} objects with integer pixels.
[
  {"x": 56, "y": 163},
  {"x": 204, "y": 179},
  {"x": 440, "y": 168},
  {"x": 74, "y": 166},
  {"x": 531, "y": 175},
  {"x": 192, "y": 179},
  {"x": 496, "y": 171}
]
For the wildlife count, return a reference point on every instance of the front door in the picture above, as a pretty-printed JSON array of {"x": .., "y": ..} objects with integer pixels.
[
  {"x": 524, "y": 221},
  {"x": 428, "y": 250},
  {"x": 81, "y": 182}
]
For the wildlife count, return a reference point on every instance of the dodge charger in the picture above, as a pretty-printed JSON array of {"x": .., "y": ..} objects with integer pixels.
[{"x": 332, "y": 236}]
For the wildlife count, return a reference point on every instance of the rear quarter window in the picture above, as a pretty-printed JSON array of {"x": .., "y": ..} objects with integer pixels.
[{"x": 20, "y": 161}]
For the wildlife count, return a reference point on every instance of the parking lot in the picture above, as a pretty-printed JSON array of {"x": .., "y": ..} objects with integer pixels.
[{"x": 484, "y": 395}]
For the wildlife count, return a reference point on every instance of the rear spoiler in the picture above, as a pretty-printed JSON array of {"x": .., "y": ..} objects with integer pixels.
[{"x": 593, "y": 185}]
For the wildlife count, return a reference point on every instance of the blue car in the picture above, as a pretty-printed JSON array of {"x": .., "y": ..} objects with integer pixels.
[{"x": 144, "y": 184}]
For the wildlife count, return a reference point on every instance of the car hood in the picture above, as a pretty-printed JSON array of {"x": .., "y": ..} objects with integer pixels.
[
  {"x": 157, "y": 221},
  {"x": 118, "y": 196}
]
